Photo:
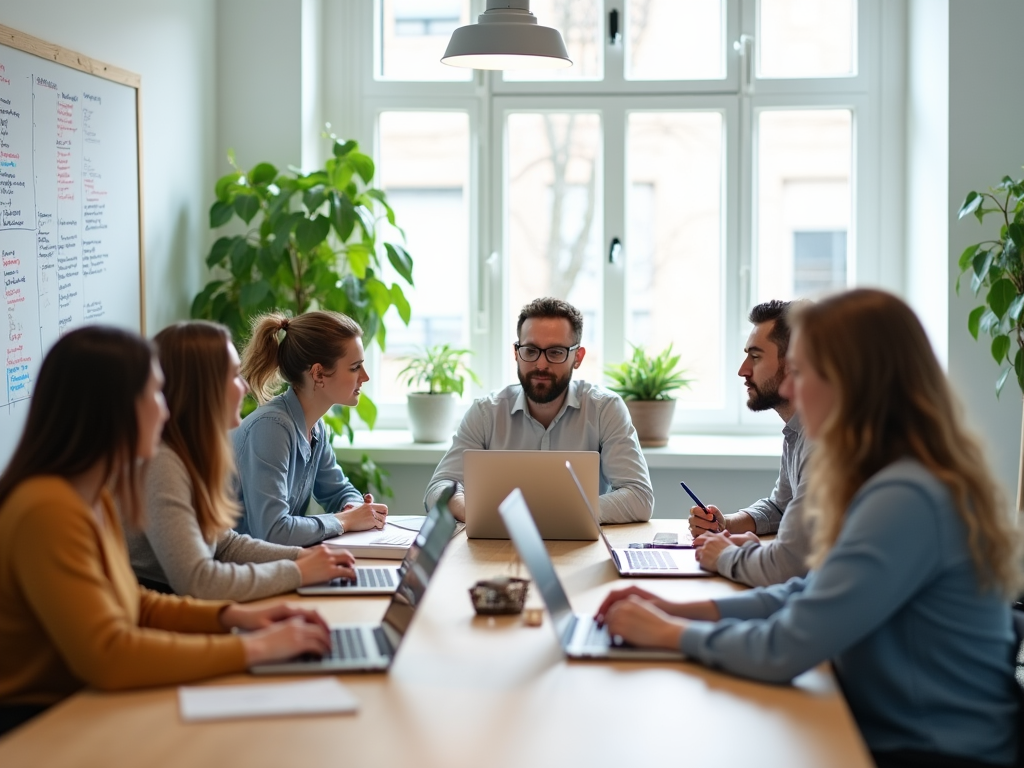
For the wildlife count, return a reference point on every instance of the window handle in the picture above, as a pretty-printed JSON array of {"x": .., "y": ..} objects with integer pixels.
[
  {"x": 614, "y": 251},
  {"x": 745, "y": 48},
  {"x": 614, "y": 35}
]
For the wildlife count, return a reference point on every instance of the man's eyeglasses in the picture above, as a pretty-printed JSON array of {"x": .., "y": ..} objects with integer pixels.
[{"x": 531, "y": 354}]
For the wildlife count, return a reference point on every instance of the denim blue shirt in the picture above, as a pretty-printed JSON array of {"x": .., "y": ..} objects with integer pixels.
[
  {"x": 924, "y": 655},
  {"x": 591, "y": 419},
  {"x": 279, "y": 471}
]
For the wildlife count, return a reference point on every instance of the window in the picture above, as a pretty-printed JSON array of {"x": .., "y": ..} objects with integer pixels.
[{"x": 716, "y": 153}]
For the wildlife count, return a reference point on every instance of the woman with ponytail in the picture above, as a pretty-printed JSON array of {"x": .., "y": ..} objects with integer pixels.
[
  {"x": 189, "y": 546},
  {"x": 914, "y": 558},
  {"x": 282, "y": 448}
]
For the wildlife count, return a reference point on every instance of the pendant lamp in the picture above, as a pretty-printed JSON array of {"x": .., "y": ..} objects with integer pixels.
[{"x": 507, "y": 36}]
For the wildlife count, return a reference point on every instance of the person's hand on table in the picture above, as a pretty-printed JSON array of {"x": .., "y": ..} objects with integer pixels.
[
  {"x": 640, "y": 622},
  {"x": 320, "y": 563},
  {"x": 709, "y": 547},
  {"x": 277, "y": 632},
  {"x": 363, "y": 517},
  {"x": 702, "y": 522}
]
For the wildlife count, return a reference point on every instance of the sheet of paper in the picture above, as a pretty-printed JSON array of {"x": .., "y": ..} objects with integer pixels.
[
  {"x": 390, "y": 535},
  {"x": 228, "y": 702}
]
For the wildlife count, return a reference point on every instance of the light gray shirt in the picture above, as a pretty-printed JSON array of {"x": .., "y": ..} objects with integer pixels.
[
  {"x": 592, "y": 419},
  {"x": 172, "y": 549},
  {"x": 776, "y": 561}
]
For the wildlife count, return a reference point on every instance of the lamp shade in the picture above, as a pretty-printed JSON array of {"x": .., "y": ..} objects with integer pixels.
[{"x": 507, "y": 37}]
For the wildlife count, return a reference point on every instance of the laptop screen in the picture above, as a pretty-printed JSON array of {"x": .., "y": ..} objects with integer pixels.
[
  {"x": 417, "y": 569},
  {"x": 524, "y": 534}
]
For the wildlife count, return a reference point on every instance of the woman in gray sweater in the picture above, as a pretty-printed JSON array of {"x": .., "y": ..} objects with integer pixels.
[
  {"x": 913, "y": 559},
  {"x": 188, "y": 545}
]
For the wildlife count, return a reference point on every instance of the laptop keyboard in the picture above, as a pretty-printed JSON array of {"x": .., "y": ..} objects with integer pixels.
[
  {"x": 649, "y": 560},
  {"x": 368, "y": 577},
  {"x": 347, "y": 643}
]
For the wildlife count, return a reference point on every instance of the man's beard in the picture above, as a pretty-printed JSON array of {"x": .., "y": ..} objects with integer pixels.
[
  {"x": 555, "y": 386},
  {"x": 767, "y": 396}
]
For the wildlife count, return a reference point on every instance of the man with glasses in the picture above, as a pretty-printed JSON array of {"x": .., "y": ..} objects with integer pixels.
[{"x": 547, "y": 410}]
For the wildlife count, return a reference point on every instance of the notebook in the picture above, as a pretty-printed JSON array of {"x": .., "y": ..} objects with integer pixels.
[
  {"x": 579, "y": 636},
  {"x": 558, "y": 510},
  {"x": 370, "y": 647}
]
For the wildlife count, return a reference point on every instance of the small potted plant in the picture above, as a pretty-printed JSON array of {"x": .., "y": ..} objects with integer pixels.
[
  {"x": 646, "y": 383},
  {"x": 442, "y": 370}
]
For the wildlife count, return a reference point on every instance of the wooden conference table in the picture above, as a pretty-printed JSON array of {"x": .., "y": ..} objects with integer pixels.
[{"x": 472, "y": 691}]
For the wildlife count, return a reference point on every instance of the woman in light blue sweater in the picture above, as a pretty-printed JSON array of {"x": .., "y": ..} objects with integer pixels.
[{"x": 913, "y": 560}]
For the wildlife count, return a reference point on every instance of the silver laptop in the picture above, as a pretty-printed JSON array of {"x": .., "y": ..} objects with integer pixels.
[
  {"x": 369, "y": 580},
  {"x": 370, "y": 647},
  {"x": 662, "y": 563},
  {"x": 558, "y": 510},
  {"x": 580, "y": 636}
]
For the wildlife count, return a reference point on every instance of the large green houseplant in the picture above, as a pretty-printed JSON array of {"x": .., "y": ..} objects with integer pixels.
[
  {"x": 996, "y": 266},
  {"x": 646, "y": 382},
  {"x": 443, "y": 371},
  {"x": 310, "y": 241}
]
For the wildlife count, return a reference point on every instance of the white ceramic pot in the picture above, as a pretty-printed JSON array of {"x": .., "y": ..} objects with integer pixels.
[
  {"x": 652, "y": 420},
  {"x": 432, "y": 417}
]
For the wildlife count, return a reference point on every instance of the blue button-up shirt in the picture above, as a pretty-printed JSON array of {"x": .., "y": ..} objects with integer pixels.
[
  {"x": 591, "y": 419},
  {"x": 280, "y": 470}
]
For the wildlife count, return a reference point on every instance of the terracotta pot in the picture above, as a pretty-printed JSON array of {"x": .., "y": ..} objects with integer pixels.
[
  {"x": 432, "y": 417},
  {"x": 652, "y": 420}
]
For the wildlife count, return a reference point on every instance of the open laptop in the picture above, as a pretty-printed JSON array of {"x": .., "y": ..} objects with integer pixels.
[
  {"x": 579, "y": 636},
  {"x": 369, "y": 647},
  {"x": 369, "y": 580},
  {"x": 558, "y": 510},
  {"x": 662, "y": 563}
]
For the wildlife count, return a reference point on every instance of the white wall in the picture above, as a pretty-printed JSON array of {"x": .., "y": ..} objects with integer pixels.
[
  {"x": 986, "y": 142},
  {"x": 170, "y": 43}
]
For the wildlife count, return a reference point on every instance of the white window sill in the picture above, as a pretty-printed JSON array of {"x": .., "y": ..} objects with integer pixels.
[{"x": 394, "y": 446}]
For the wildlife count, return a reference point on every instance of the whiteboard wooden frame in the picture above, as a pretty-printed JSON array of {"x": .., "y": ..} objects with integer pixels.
[{"x": 12, "y": 38}]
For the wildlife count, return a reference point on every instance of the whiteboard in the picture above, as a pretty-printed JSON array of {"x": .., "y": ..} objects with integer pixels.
[{"x": 70, "y": 231}]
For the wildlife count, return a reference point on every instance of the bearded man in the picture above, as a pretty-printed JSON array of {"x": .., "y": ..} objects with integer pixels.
[
  {"x": 548, "y": 411},
  {"x": 729, "y": 544}
]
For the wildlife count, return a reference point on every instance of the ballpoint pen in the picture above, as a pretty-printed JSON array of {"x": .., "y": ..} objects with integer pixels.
[{"x": 700, "y": 504}]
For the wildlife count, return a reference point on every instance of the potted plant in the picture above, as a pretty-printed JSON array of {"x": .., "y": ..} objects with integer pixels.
[
  {"x": 646, "y": 382},
  {"x": 442, "y": 370},
  {"x": 311, "y": 241},
  {"x": 997, "y": 265}
]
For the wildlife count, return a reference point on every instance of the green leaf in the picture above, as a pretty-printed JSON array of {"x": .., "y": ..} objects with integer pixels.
[
  {"x": 309, "y": 233},
  {"x": 253, "y": 294},
  {"x": 220, "y": 214},
  {"x": 967, "y": 257},
  {"x": 247, "y": 206},
  {"x": 1002, "y": 380},
  {"x": 220, "y": 250},
  {"x": 980, "y": 264},
  {"x": 366, "y": 221},
  {"x": 340, "y": 150},
  {"x": 282, "y": 232},
  {"x": 243, "y": 256},
  {"x": 379, "y": 196},
  {"x": 1013, "y": 313},
  {"x": 344, "y": 216},
  {"x": 380, "y": 296},
  {"x": 400, "y": 260},
  {"x": 363, "y": 165},
  {"x": 314, "y": 198},
  {"x": 1001, "y": 296},
  {"x": 224, "y": 185},
  {"x": 264, "y": 173},
  {"x": 973, "y": 319},
  {"x": 358, "y": 259},
  {"x": 201, "y": 303},
  {"x": 401, "y": 303},
  {"x": 1000, "y": 348},
  {"x": 1016, "y": 233},
  {"x": 367, "y": 410},
  {"x": 989, "y": 322},
  {"x": 1018, "y": 367},
  {"x": 971, "y": 203}
]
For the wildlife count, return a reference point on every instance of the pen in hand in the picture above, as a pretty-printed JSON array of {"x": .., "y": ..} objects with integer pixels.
[{"x": 699, "y": 503}]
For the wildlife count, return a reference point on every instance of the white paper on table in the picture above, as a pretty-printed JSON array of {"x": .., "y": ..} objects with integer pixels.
[
  {"x": 389, "y": 536},
  {"x": 225, "y": 702}
]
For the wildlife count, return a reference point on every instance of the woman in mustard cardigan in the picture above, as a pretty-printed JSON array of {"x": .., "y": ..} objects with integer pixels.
[{"x": 71, "y": 611}]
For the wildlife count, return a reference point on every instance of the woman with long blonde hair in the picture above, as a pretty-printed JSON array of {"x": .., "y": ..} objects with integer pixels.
[
  {"x": 914, "y": 561},
  {"x": 188, "y": 545},
  {"x": 283, "y": 448}
]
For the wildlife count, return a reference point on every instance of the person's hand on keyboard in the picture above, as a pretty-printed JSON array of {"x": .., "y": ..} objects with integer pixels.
[
  {"x": 320, "y": 563},
  {"x": 277, "y": 632}
]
